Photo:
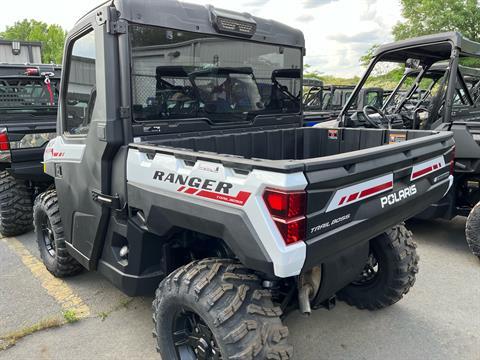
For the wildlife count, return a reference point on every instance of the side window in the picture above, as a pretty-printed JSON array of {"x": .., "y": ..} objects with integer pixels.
[{"x": 81, "y": 87}]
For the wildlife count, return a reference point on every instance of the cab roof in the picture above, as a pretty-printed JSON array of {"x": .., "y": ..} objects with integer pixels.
[
  {"x": 198, "y": 18},
  {"x": 434, "y": 47}
]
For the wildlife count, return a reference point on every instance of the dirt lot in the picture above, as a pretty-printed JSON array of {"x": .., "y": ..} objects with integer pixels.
[{"x": 86, "y": 317}]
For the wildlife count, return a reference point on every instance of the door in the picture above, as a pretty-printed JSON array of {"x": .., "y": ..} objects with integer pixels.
[{"x": 85, "y": 151}]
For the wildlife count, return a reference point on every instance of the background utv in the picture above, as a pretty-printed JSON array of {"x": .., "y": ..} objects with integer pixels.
[
  {"x": 440, "y": 90},
  {"x": 28, "y": 115}
]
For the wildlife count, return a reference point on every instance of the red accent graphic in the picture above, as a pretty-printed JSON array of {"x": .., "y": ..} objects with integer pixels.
[
  {"x": 54, "y": 153},
  {"x": 240, "y": 199},
  {"x": 426, "y": 170},
  {"x": 376, "y": 189},
  {"x": 352, "y": 197},
  {"x": 191, "y": 191},
  {"x": 366, "y": 193}
]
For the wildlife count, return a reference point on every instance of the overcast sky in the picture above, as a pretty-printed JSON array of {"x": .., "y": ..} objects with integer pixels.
[{"x": 337, "y": 32}]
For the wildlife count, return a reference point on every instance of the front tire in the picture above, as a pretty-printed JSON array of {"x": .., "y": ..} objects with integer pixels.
[
  {"x": 15, "y": 206},
  {"x": 389, "y": 273},
  {"x": 51, "y": 238},
  {"x": 472, "y": 230},
  {"x": 217, "y": 309}
]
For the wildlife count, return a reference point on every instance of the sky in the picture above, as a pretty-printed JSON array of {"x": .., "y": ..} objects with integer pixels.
[{"x": 337, "y": 32}]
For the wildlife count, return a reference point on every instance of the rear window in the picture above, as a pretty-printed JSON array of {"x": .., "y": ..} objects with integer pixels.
[{"x": 183, "y": 75}]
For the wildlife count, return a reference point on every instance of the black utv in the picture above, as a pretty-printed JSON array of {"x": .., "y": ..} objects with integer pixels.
[
  {"x": 28, "y": 114},
  {"x": 439, "y": 91},
  {"x": 323, "y": 103}
]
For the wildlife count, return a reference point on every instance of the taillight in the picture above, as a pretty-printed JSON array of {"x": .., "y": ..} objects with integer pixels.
[
  {"x": 287, "y": 209},
  {"x": 32, "y": 71},
  {"x": 4, "y": 144}
]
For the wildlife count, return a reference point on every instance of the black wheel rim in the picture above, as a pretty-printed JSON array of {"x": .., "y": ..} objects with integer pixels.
[
  {"x": 192, "y": 338},
  {"x": 48, "y": 238},
  {"x": 369, "y": 273}
]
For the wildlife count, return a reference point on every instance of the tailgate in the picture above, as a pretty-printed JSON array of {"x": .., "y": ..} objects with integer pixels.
[
  {"x": 354, "y": 202},
  {"x": 28, "y": 136}
]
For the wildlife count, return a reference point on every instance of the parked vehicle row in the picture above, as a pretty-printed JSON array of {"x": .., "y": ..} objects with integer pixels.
[{"x": 181, "y": 167}]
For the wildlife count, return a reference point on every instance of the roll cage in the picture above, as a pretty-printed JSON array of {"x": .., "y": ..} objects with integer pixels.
[{"x": 436, "y": 57}]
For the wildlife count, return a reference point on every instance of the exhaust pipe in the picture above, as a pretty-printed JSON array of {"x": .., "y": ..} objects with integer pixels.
[
  {"x": 308, "y": 285},
  {"x": 304, "y": 294}
]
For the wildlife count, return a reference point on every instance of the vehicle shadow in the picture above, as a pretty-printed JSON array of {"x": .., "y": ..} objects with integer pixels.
[{"x": 444, "y": 233}]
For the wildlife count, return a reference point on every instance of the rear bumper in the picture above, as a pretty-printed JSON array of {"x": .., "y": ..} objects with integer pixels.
[
  {"x": 332, "y": 243},
  {"x": 31, "y": 170}
]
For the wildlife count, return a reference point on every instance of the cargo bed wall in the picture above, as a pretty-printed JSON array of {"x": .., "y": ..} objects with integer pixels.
[{"x": 291, "y": 144}]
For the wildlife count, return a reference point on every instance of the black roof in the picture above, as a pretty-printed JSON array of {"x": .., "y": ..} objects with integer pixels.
[
  {"x": 312, "y": 82},
  {"x": 430, "y": 47},
  {"x": 196, "y": 18},
  {"x": 438, "y": 70}
]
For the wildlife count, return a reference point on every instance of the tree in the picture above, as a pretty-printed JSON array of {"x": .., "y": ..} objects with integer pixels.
[
  {"x": 365, "y": 59},
  {"x": 51, "y": 36},
  {"x": 424, "y": 17}
]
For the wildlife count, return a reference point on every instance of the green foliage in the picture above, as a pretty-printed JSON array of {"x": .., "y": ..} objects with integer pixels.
[
  {"x": 424, "y": 17},
  {"x": 70, "y": 316},
  {"x": 365, "y": 59},
  {"x": 51, "y": 36}
]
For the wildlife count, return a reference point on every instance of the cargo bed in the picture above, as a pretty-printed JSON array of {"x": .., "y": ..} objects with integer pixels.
[
  {"x": 358, "y": 182},
  {"x": 296, "y": 149}
]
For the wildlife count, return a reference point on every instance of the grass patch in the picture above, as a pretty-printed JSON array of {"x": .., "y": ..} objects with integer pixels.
[
  {"x": 11, "y": 339},
  {"x": 122, "y": 304},
  {"x": 70, "y": 316}
]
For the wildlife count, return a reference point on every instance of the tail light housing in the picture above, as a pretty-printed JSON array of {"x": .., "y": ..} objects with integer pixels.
[
  {"x": 287, "y": 209},
  {"x": 4, "y": 146},
  {"x": 32, "y": 71}
]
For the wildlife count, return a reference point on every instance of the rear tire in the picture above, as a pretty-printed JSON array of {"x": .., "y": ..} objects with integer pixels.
[
  {"x": 390, "y": 273},
  {"x": 51, "y": 238},
  {"x": 472, "y": 230},
  {"x": 15, "y": 206},
  {"x": 227, "y": 304}
]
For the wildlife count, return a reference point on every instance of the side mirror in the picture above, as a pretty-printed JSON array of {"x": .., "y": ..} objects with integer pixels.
[{"x": 412, "y": 64}]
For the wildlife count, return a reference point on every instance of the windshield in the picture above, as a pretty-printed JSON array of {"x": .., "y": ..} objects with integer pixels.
[
  {"x": 28, "y": 95},
  {"x": 183, "y": 75}
]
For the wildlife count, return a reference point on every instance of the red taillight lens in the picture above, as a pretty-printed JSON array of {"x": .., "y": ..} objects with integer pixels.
[
  {"x": 32, "y": 72},
  {"x": 292, "y": 231},
  {"x": 4, "y": 144},
  {"x": 287, "y": 209},
  {"x": 285, "y": 204}
]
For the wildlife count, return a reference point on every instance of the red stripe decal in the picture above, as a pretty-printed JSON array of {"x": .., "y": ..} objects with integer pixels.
[
  {"x": 240, "y": 199},
  {"x": 342, "y": 200},
  {"x": 191, "y": 191},
  {"x": 181, "y": 188},
  {"x": 422, "y": 172},
  {"x": 376, "y": 189},
  {"x": 352, "y": 197}
]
